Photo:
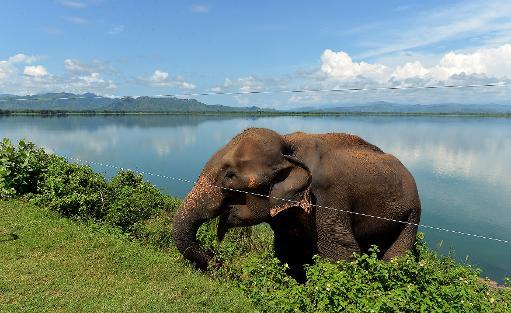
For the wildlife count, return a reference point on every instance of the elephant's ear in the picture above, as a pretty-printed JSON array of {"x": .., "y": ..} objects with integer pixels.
[{"x": 291, "y": 187}]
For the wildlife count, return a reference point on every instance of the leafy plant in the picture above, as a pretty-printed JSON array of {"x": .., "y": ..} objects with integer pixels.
[
  {"x": 74, "y": 190},
  {"x": 421, "y": 282},
  {"x": 134, "y": 200},
  {"x": 21, "y": 168}
]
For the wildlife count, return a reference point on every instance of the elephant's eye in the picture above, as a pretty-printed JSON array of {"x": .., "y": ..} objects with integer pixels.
[{"x": 230, "y": 174}]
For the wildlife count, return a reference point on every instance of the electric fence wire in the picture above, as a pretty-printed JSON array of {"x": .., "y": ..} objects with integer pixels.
[
  {"x": 253, "y": 92},
  {"x": 183, "y": 180},
  {"x": 354, "y": 89},
  {"x": 350, "y": 89}
]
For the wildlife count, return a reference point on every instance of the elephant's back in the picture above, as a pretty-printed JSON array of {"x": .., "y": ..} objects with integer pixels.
[
  {"x": 340, "y": 158},
  {"x": 332, "y": 140},
  {"x": 343, "y": 153},
  {"x": 355, "y": 169}
]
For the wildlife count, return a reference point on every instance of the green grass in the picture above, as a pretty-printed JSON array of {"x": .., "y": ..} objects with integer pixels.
[{"x": 58, "y": 265}]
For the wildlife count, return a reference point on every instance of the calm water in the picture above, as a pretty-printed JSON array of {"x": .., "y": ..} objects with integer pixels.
[{"x": 462, "y": 165}]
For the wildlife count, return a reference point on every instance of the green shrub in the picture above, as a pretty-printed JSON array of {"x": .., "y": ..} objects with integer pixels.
[
  {"x": 76, "y": 190},
  {"x": 414, "y": 283},
  {"x": 73, "y": 190},
  {"x": 21, "y": 168},
  {"x": 134, "y": 200}
]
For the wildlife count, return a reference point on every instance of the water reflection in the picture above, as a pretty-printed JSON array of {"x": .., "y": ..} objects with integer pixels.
[{"x": 461, "y": 165}]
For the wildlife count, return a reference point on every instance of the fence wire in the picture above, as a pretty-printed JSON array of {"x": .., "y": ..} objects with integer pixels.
[
  {"x": 290, "y": 91},
  {"x": 193, "y": 182}
]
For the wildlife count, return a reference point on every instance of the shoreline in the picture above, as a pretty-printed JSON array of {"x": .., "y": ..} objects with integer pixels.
[{"x": 251, "y": 114}]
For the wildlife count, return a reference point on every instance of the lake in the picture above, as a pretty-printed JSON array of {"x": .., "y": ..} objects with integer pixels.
[{"x": 461, "y": 164}]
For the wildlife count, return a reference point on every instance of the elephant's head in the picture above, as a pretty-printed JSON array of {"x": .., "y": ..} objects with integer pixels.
[{"x": 244, "y": 183}]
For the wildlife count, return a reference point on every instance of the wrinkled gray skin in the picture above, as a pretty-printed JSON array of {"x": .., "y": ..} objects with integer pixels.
[{"x": 339, "y": 171}]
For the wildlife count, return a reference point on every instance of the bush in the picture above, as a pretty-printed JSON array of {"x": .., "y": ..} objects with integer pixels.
[
  {"x": 134, "y": 200},
  {"x": 21, "y": 168},
  {"x": 420, "y": 281},
  {"x": 414, "y": 283},
  {"x": 74, "y": 190}
]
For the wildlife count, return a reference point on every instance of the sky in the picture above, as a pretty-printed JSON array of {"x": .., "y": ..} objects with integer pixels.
[{"x": 134, "y": 48}]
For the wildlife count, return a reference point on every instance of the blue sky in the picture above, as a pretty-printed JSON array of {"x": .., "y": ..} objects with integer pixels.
[{"x": 114, "y": 47}]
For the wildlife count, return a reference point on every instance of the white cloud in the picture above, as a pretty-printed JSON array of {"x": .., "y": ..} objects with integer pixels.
[
  {"x": 160, "y": 78},
  {"x": 340, "y": 66},
  {"x": 72, "y": 4},
  {"x": 89, "y": 83},
  {"x": 17, "y": 78},
  {"x": 116, "y": 30},
  {"x": 250, "y": 83},
  {"x": 339, "y": 70},
  {"x": 484, "y": 65},
  {"x": 490, "y": 62},
  {"x": 200, "y": 8},
  {"x": 187, "y": 85},
  {"x": 245, "y": 84},
  {"x": 77, "y": 66},
  {"x": 23, "y": 58},
  {"x": 5, "y": 70},
  {"x": 409, "y": 70},
  {"x": 92, "y": 78},
  {"x": 35, "y": 71}
]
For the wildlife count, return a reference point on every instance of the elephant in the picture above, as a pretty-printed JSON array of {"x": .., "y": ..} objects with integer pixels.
[{"x": 319, "y": 193}]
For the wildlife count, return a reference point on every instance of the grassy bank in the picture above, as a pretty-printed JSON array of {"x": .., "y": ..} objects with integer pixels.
[
  {"x": 48, "y": 263},
  {"x": 112, "y": 251}
]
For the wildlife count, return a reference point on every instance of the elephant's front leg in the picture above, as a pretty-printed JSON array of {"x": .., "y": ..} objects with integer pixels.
[
  {"x": 295, "y": 241},
  {"x": 335, "y": 235},
  {"x": 296, "y": 252}
]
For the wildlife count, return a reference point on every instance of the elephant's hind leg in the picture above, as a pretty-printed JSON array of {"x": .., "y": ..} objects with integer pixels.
[{"x": 406, "y": 238}]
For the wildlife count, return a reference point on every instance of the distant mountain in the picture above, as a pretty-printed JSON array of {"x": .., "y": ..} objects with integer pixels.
[
  {"x": 92, "y": 102},
  {"x": 89, "y": 102},
  {"x": 387, "y": 107}
]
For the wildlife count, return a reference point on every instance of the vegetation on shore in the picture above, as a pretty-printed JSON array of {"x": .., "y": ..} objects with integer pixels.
[
  {"x": 122, "y": 223},
  {"x": 247, "y": 113},
  {"x": 50, "y": 104}
]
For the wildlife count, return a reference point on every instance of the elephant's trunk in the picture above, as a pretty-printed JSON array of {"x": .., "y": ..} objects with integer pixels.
[
  {"x": 200, "y": 205},
  {"x": 184, "y": 230}
]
